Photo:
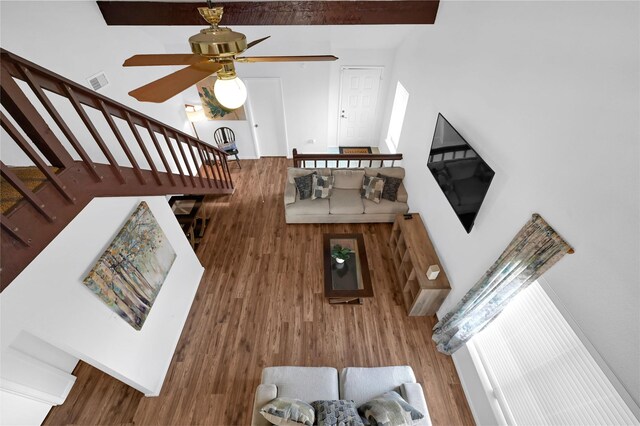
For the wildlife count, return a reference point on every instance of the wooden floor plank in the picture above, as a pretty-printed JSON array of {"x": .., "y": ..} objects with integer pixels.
[{"x": 260, "y": 304}]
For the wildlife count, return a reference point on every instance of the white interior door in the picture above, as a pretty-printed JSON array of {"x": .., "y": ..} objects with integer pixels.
[
  {"x": 266, "y": 116},
  {"x": 358, "y": 101}
]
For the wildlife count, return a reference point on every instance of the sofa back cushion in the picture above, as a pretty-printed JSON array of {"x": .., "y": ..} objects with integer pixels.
[
  {"x": 347, "y": 178},
  {"x": 294, "y": 172},
  {"x": 363, "y": 384},
  {"x": 306, "y": 383},
  {"x": 396, "y": 172}
]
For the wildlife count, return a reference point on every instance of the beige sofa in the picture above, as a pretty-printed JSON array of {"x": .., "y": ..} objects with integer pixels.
[
  {"x": 345, "y": 204},
  {"x": 323, "y": 383}
]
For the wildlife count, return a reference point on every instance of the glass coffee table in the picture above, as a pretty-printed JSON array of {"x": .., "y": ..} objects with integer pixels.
[{"x": 349, "y": 282}]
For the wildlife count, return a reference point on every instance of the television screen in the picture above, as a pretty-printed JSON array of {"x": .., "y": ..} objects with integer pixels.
[{"x": 459, "y": 171}]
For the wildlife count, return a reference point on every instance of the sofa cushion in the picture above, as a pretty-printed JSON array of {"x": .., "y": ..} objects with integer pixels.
[
  {"x": 334, "y": 413},
  {"x": 306, "y": 383},
  {"x": 396, "y": 172},
  {"x": 308, "y": 206},
  {"x": 391, "y": 185},
  {"x": 288, "y": 412},
  {"x": 345, "y": 201},
  {"x": 372, "y": 188},
  {"x": 293, "y": 172},
  {"x": 322, "y": 186},
  {"x": 390, "y": 409},
  {"x": 363, "y": 384},
  {"x": 347, "y": 178},
  {"x": 385, "y": 207}
]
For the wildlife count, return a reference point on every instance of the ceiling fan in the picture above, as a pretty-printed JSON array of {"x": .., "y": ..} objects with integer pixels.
[{"x": 215, "y": 51}]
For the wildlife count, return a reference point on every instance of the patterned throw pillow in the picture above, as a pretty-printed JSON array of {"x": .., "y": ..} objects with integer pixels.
[
  {"x": 304, "y": 184},
  {"x": 365, "y": 183},
  {"x": 288, "y": 412},
  {"x": 336, "y": 413},
  {"x": 322, "y": 186},
  {"x": 390, "y": 410},
  {"x": 391, "y": 185},
  {"x": 372, "y": 188}
]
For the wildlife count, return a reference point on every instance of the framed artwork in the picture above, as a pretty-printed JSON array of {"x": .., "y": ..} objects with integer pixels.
[
  {"x": 130, "y": 273},
  {"x": 211, "y": 106}
]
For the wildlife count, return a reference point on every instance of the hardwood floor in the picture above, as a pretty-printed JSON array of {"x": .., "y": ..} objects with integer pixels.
[{"x": 261, "y": 304}]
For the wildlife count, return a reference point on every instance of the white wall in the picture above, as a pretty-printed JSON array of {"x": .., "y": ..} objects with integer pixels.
[
  {"x": 49, "y": 301},
  {"x": 548, "y": 94},
  {"x": 17, "y": 410},
  {"x": 311, "y": 97},
  {"x": 310, "y": 89}
]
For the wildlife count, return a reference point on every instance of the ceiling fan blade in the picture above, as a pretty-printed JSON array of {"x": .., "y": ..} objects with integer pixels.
[
  {"x": 254, "y": 42},
  {"x": 309, "y": 58},
  {"x": 172, "y": 84},
  {"x": 164, "y": 59}
]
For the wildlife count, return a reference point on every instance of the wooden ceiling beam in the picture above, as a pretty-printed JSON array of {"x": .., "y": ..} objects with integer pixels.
[{"x": 314, "y": 12}]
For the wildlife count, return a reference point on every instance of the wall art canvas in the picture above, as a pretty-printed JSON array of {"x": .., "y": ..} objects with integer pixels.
[
  {"x": 212, "y": 108},
  {"x": 130, "y": 273}
]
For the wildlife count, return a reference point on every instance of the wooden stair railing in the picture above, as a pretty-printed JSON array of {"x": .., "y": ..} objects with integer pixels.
[
  {"x": 344, "y": 160},
  {"x": 186, "y": 164}
]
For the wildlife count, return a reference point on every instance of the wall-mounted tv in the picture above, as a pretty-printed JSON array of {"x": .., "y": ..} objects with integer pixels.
[{"x": 462, "y": 175}]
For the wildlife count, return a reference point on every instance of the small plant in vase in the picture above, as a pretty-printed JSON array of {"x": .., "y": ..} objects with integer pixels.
[{"x": 340, "y": 254}]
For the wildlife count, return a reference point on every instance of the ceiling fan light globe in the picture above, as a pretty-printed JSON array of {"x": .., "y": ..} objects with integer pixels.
[{"x": 231, "y": 93}]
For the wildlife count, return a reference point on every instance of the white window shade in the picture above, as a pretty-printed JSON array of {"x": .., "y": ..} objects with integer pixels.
[{"x": 539, "y": 370}]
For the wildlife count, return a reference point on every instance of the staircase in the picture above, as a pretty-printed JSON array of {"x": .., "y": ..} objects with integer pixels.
[{"x": 127, "y": 154}]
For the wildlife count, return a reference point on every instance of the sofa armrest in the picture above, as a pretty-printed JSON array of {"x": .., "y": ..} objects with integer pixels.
[
  {"x": 289, "y": 194},
  {"x": 402, "y": 195},
  {"x": 413, "y": 394},
  {"x": 264, "y": 394}
]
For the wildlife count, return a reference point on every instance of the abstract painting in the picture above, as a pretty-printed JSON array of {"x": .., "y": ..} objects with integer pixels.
[
  {"x": 211, "y": 106},
  {"x": 130, "y": 273}
]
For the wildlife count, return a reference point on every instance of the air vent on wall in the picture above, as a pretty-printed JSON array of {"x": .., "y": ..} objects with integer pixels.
[{"x": 98, "y": 81}]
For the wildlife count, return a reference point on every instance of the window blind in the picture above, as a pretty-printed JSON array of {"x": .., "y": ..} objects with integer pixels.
[{"x": 539, "y": 370}]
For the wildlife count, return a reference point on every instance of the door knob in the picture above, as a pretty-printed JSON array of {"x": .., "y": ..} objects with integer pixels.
[{"x": 255, "y": 125}]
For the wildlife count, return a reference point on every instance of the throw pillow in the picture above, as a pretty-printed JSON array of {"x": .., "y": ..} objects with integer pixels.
[
  {"x": 372, "y": 188},
  {"x": 365, "y": 183},
  {"x": 304, "y": 185},
  {"x": 391, "y": 185},
  {"x": 336, "y": 413},
  {"x": 322, "y": 186},
  {"x": 288, "y": 412},
  {"x": 390, "y": 409}
]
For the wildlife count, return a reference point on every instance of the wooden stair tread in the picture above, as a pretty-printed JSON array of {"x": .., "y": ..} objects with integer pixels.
[{"x": 32, "y": 177}]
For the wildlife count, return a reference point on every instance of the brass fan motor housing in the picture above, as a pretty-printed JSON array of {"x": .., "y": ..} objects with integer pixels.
[{"x": 218, "y": 42}]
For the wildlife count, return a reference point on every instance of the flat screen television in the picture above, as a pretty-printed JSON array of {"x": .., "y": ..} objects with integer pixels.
[{"x": 462, "y": 175}]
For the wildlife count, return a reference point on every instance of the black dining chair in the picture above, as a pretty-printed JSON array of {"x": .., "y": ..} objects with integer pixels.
[{"x": 226, "y": 141}]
